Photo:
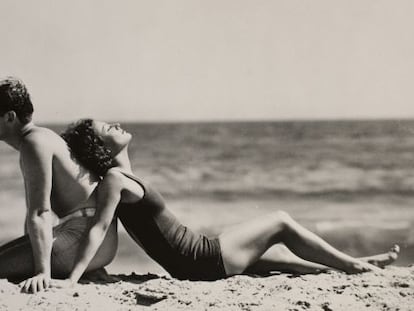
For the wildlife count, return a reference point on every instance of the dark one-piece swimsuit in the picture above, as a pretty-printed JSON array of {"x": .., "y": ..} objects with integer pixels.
[{"x": 183, "y": 253}]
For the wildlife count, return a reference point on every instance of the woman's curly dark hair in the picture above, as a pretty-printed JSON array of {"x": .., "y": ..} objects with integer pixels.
[{"x": 88, "y": 147}]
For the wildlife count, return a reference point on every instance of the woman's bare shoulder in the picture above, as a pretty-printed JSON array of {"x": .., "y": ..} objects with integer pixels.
[{"x": 115, "y": 180}]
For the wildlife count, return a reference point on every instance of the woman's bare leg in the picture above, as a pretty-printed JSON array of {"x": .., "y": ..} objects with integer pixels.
[
  {"x": 245, "y": 243},
  {"x": 280, "y": 258}
]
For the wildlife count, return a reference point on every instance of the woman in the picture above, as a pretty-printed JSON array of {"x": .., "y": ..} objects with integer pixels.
[{"x": 247, "y": 247}]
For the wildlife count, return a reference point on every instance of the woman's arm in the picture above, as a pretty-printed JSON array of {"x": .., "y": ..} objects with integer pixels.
[{"x": 108, "y": 198}]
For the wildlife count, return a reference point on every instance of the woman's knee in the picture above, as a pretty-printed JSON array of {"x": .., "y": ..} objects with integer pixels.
[{"x": 282, "y": 219}]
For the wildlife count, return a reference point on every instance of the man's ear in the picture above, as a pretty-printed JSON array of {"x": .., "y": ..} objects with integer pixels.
[{"x": 10, "y": 116}]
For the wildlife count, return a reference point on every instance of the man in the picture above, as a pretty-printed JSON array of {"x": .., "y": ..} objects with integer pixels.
[{"x": 54, "y": 182}]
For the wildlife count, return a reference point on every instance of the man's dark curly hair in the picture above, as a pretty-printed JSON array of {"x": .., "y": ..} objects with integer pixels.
[
  {"x": 88, "y": 147},
  {"x": 15, "y": 97}
]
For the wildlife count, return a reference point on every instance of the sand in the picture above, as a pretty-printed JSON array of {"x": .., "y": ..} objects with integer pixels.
[{"x": 394, "y": 290}]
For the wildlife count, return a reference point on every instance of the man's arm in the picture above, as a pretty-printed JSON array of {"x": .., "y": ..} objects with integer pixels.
[{"x": 36, "y": 165}]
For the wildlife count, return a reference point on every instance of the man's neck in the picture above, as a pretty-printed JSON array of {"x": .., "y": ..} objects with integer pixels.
[{"x": 15, "y": 140}]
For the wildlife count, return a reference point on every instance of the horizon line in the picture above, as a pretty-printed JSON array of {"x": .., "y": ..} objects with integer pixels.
[{"x": 264, "y": 120}]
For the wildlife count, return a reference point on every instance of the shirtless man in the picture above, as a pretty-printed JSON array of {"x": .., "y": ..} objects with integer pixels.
[{"x": 54, "y": 182}]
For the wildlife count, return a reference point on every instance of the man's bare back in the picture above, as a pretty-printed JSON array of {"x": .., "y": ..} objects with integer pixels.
[{"x": 72, "y": 186}]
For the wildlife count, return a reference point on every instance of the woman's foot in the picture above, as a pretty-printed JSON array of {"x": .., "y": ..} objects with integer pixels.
[
  {"x": 98, "y": 276},
  {"x": 382, "y": 260},
  {"x": 360, "y": 266}
]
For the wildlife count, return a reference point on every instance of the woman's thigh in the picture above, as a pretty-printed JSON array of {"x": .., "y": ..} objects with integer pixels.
[
  {"x": 243, "y": 244},
  {"x": 280, "y": 258}
]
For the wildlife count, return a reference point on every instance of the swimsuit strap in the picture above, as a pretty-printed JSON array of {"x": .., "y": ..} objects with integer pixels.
[
  {"x": 133, "y": 177},
  {"x": 83, "y": 212}
]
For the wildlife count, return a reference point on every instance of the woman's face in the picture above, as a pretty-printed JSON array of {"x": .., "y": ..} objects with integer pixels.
[{"x": 113, "y": 136}]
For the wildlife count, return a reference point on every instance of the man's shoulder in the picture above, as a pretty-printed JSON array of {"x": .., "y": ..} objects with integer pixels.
[{"x": 40, "y": 139}]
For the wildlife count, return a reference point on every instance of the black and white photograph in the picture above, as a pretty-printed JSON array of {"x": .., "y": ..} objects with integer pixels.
[{"x": 207, "y": 155}]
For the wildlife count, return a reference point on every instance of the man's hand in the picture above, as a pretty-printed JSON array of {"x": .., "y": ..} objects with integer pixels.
[{"x": 35, "y": 284}]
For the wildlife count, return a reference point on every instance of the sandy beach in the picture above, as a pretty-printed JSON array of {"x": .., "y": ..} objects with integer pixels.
[{"x": 394, "y": 290}]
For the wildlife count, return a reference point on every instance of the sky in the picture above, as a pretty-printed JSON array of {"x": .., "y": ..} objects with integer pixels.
[{"x": 211, "y": 60}]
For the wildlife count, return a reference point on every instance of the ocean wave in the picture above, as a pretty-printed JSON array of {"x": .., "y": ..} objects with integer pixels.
[
  {"x": 295, "y": 158},
  {"x": 275, "y": 193},
  {"x": 326, "y": 178}
]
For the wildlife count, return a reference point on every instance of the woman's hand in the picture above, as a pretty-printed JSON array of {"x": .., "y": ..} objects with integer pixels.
[
  {"x": 62, "y": 284},
  {"x": 35, "y": 284}
]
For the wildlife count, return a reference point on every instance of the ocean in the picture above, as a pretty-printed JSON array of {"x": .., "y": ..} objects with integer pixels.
[{"x": 352, "y": 182}]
